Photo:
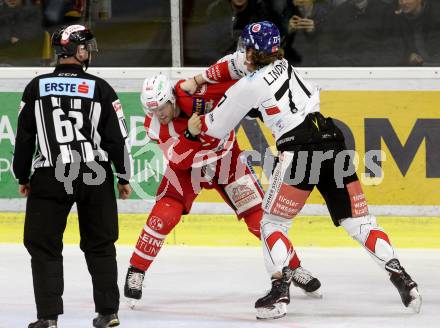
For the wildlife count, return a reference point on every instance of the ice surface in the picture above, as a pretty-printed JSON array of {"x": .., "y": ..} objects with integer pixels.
[{"x": 201, "y": 287}]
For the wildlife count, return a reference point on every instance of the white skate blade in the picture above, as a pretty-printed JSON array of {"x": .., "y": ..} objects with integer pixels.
[
  {"x": 278, "y": 310},
  {"x": 416, "y": 303},
  {"x": 132, "y": 303},
  {"x": 316, "y": 294}
]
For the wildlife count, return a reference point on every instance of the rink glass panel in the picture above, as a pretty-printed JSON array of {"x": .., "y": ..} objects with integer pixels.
[
  {"x": 135, "y": 33},
  {"x": 129, "y": 33}
]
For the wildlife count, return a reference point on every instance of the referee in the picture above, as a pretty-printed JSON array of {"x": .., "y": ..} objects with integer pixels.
[{"x": 79, "y": 125}]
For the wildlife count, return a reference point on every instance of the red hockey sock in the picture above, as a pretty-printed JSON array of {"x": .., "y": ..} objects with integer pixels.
[
  {"x": 253, "y": 222},
  {"x": 294, "y": 261},
  {"x": 163, "y": 218}
]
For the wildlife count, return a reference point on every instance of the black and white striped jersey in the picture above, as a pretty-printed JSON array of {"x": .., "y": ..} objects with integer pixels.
[{"x": 75, "y": 117}]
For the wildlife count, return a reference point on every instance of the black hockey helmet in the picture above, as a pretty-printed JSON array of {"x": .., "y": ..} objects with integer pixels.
[{"x": 67, "y": 38}]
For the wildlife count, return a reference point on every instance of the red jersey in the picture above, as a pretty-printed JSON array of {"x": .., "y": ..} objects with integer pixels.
[{"x": 180, "y": 151}]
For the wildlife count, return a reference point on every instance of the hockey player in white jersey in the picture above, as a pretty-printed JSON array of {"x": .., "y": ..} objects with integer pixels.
[{"x": 312, "y": 152}]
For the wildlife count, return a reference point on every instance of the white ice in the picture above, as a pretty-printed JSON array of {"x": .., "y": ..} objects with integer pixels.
[{"x": 201, "y": 287}]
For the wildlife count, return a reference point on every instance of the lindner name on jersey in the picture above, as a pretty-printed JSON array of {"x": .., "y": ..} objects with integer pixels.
[
  {"x": 276, "y": 72},
  {"x": 63, "y": 86}
]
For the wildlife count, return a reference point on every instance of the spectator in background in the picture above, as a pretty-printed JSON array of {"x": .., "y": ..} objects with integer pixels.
[
  {"x": 419, "y": 27},
  {"x": 279, "y": 7},
  {"x": 302, "y": 23},
  {"x": 360, "y": 33},
  {"x": 14, "y": 17},
  {"x": 227, "y": 18},
  {"x": 56, "y": 12},
  {"x": 19, "y": 28}
]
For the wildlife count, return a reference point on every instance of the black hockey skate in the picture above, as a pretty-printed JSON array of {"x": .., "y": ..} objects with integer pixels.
[
  {"x": 274, "y": 304},
  {"x": 406, "y": 287},
  {"x": 133, "y": 285},
  {"x": 106, "y": 320},
  {"x": 303, "y": 279},
  {"x": 43, "y": 323}
]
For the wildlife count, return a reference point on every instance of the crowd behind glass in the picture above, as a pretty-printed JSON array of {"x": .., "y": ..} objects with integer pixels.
[{"x": 315, "y": 33}]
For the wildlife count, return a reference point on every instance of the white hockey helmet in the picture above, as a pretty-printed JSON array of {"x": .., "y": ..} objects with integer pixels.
[{"x": 156, "y": 91}]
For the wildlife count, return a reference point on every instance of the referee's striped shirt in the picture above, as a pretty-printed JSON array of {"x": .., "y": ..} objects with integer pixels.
[{"x": 70, "y": 116}]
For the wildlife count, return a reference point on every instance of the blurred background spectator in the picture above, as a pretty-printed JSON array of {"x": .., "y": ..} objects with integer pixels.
[
  {"x": 13, "y": 20},
  {"x": 315, "y": 32},
  {"x": 130, "y": 32},
  {"x": 56, "y": 13},
  {"x": 360, "y": 33},
  {"x": 302, "y": 24},
  {"x": 419, "y": 26},
  {"x": 65, "y": 12},
  {"x": 20, "y": 22},
  {"x": 219, "y": 24},
  {"x": 223, "y": 22}
]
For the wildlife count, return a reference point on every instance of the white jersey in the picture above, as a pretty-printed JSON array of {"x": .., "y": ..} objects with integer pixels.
[{"x": 277, "y": 91}]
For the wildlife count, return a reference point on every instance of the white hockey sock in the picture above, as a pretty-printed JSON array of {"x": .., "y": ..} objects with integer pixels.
[
  {"x": 277, "y": 248},
  {"x": 371, "y": 236}
]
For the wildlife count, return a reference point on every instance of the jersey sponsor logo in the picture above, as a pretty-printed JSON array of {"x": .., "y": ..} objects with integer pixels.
[
  {"x": 64, "y": 86},
  {"x": 358, "y": 202},
  {"x": 211, "y": 118},
  {"x": 214, "y": 72},
  {"x": 289, "y": 201},
  {"x": 147, "y": 240},
  {"x": 198, "y": 105},
  {"x": 67, "y": 74},
  {"x": 240, "y": 193},
  {"x": 83, "y": 88},
  {"x": 243, "y": 194},
  {"x": 155, "y": 223},
  {"x": 117, "y": 105},
  {"x": 209, "y": 105},
  {"x": 279, "y": 125},
  {"x": 201, "y": 106},
  {"x": 118, "y": 109},
  {"x": 235, "y": 68},
  {"x": 273, "y": 110}
]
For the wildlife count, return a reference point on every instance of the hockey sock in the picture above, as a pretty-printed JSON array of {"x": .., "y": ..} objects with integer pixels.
[
  {"x": 371, "y": 236},
  {"x": 164, "y": 216},
  {"x": 277, "y": 249},
  {"x": 253, "y": 221}
]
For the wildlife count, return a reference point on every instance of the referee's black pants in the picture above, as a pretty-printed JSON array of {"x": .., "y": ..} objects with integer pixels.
[{"x": 47, "y": 208}]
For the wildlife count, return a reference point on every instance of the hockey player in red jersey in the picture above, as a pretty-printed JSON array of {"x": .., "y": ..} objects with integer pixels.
[
  {"x": 195, "y": 163},
  {"x": 289, "y": 106}
]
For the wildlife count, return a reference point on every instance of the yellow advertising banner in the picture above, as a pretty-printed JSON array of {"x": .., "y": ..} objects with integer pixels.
[{"x": 403, "y": 125}]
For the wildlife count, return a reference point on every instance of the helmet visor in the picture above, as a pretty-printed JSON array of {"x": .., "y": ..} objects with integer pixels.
[
  {"x": 91, "y": 45},
  {"x": 241, "y": 47}
]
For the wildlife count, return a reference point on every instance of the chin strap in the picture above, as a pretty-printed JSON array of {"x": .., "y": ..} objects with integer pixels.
[
  {"x": 84, "y": 64},
  {"x": 176, "y": 111}
]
